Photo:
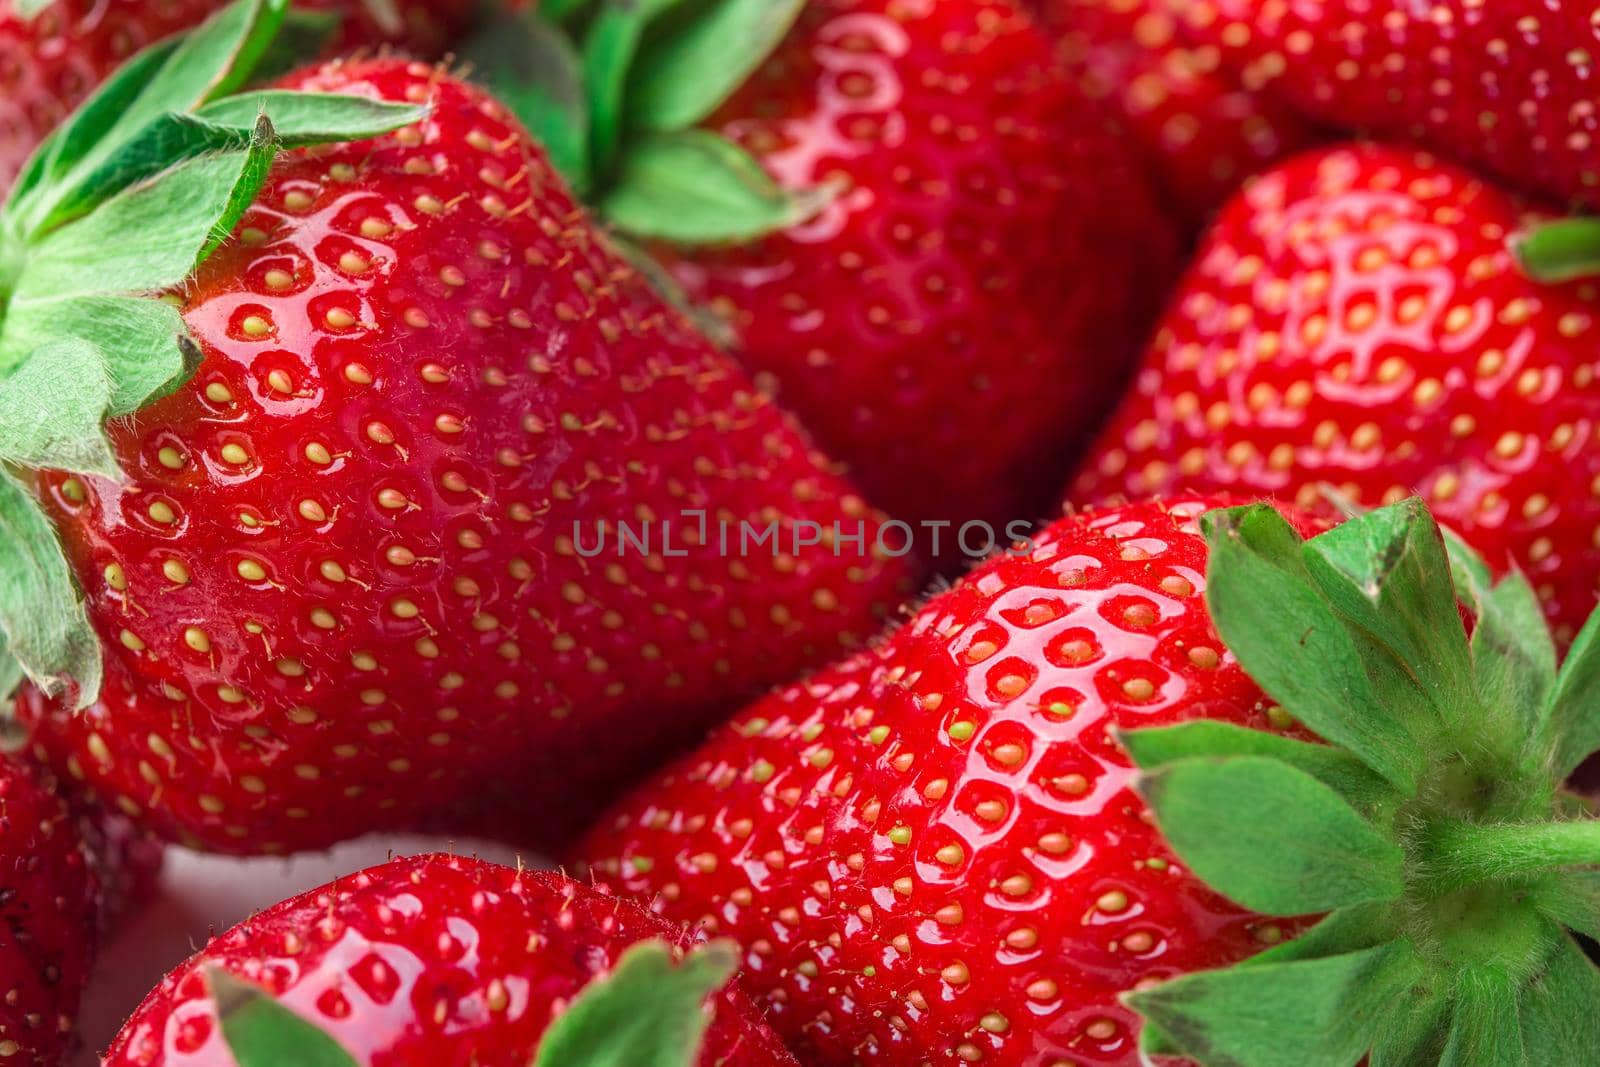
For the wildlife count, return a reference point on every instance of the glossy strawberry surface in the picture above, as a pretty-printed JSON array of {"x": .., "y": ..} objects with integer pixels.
[
  {"x": 1200, "y": 130},
  {"x": 436, "y": 960},
  {"x": 932, "y": 852},
  {"x": 1356, "y": 320},
  {"x": 48, "y": 919},
  {"x": 954, "y": 322},
  {"x": 51, "y": 62},
  {"x": 357, "y": 573},
  {"x": 1506, "y": 85}
]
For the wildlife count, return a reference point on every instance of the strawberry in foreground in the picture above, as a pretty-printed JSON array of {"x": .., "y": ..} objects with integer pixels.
[
  {"x": 1356, "y": 319},
  {"x": 57, "y": 891},
  {"x": 450, "y": 962},
  {"x": 55, "y": 53},
  {"x": 1201, "y": 132},
  {"x": 350, "y": 543},
  {"x": 944, "y": 850},
  {"x": 916, "y": 232},
  {"x": 1506, "y": 85}
]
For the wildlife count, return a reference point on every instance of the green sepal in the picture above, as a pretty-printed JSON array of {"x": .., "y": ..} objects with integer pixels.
[
  {"x": 1388, "y": 572},
  {"x": 1322, "y": 1011},
  {"x": 208, "y": 63},
  {"x": 697, "y": 56},
  {"x": 559, "y": 11},
  {"x": 609, "y": 47},
  {"x": 1485, "y": 1030},
  {"x": 1413, "y": 1030},
  {"x": 27, "y": 9},
  {"x": 1346, "y": 930},
  {"x": 1289, "y": 641},
  {"x": 1572, "y": 713},
  {"x": 52, "y": 409},
  {"x": 696, "y": 187},
  {"x": 260, "y": 1032},
  {"x": 144, "y": 344},
  {"x": 11, "y": 676},
  {"x": 304, "y": 32},
  {"x": 1571, "y": 899},
  {"x": 1559, "y": 251},
  {"x": 46, "y": 628},
  {"x": 531, "y": 66},
  {"x": 1282, "y": 843},
  {"x": 1335, "y": 768},
  {"x": 650, "y": 1011},
  {"x": 1558, "y": 1008}
]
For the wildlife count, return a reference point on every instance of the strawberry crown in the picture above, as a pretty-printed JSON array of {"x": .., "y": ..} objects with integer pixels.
[
  {"x": 617, "y": 90},
  {"x": 118, "y": 206},
  {"x": 649, "y": 1011},
  {"x": 1430, "y": 829}
]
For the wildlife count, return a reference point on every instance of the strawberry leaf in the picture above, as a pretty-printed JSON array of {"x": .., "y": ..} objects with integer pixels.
[
  {"x": 260, "y": 1032},
  {"x": 143, "y": 345},
  {"x": 699, "y": 54},
  {"x": 1271, "y": 837},
  {"x": 531, "y": 66},
  {"x": 46, "y": 629},
  {"x": 648, "y": 1012},
  {"x": 1322, "y": 1011},
  {"x": 1333, "y": 767},
  {"x": 1557, "y": 1009},
  {"x": 696, "y": 187},
  {"x": 1572, "y": 714},
  {"x": 1294, "y": 646}
]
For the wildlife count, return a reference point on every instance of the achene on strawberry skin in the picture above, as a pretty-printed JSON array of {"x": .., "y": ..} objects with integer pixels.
[{"x": 351, "y": 582}]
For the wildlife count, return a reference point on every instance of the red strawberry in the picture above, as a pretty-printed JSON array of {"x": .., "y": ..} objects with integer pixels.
[
  {"x": 1355, "y": 319},
  {"x": 448, "y": 962},
  {"x": 53, "y": 54},
  {"x": 957, "y": 255},
  {"x": 352, "y": 577},
  {"x": 1199, "y": 129},
  {"x": 934, "y": 852},
  {"x": 54, "y": 897},
  {"x": 1507, "y": 86}
]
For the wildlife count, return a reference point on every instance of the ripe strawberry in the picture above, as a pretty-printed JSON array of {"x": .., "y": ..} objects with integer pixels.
[
  {"x": 351, "y": 578},
  {"x": 56, "y": 893},
  {"x": 446, "y": 961},
  {"x": 934, "y": 852},
  {"x": 53, "y": 54},
  {"x": 933, "y": 849},
  {"x": 914, "y": 229},
  {"x": 1506, "y": 86},
  {"x": 1356, "y": 319},
  {"x": 1201, "y": 132}
]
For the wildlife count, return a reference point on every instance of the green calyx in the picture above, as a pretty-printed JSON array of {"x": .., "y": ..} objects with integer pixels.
[
  {"x": 650, "y": 1011},
  {"x": 119, "y": 206},
  {"x": 1429, "y": 829},
  {"x": 1560, "y": 250},
  {"x": 618, "y": 91}
]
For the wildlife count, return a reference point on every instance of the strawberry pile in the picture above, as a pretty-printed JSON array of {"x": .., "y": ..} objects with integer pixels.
[{"x": 557, "y": 446}]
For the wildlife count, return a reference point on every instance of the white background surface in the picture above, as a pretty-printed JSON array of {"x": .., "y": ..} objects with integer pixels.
[{"x": 202, "y": 895}]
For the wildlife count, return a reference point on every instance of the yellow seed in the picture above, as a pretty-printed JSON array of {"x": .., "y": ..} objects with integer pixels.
[
  {"x": 253, "y": 326},
  {"x": 251, "y": 570},
  {"x": 318, "y": 454},
  {"x": 170, "y": 458},
  {"x": 175, "y": 572},
  {"x": 197, "y": 639},
  {"x": 162, "y": 512},
  {"x": 312, "y": 511},
  {"x": 235, "y": 454},
  {"x": 116, "y": 578}
]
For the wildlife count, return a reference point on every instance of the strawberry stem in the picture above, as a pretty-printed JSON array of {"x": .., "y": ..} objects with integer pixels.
[
  {"x": 1461, "y": 854},
  {"x": 1559, "y": 251}
]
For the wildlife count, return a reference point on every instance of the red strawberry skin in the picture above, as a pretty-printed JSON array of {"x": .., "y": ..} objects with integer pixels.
[
  {"x": 954, "y": 323},
  {"x": 1199, "y": 130},
  {"x": 343, "y": 589},
  {"x": 50, "y": 63},
  {"x": 1507, "y": 86},
  {"x": 436, "y": 960},
  {"x": 57, "y": 892},
  {"x": 932, "y": 853},
  {"x": 1355, "y": 319}
]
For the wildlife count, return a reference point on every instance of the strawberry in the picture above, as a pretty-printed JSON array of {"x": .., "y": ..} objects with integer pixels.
[
  {"x": 450, "y": 962},
  {"x": 1201, "y": 132},
  {"x": 53, "y": 54},
  {"x": 1356, "y": 319},
  {"x": 942, "y": 852},
  {"x": 909, "y": 224},
  {"x": 1505, "y": 86},
  {"x": 364, "y": 562},
  {"x": 57, "y": 891}
]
